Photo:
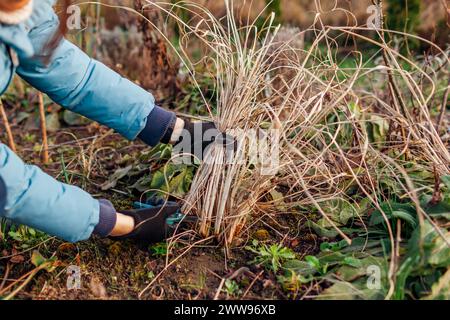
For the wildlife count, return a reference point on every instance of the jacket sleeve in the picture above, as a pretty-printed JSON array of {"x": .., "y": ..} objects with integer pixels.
[
  {"x": 37, "y": 200},
  {"x": 86, "y": 86}
]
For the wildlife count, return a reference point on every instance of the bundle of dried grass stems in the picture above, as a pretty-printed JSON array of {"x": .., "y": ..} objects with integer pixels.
[{"x": 320, "y": 113}]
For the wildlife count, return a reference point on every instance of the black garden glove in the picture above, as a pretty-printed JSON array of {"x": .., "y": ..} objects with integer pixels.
[
  {"x": 198, "y": 136},
  {"x": 156, "y": 224}
]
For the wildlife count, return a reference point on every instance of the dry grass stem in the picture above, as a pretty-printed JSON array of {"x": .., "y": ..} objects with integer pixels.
[
  {"x": 45, "y": 156},
  {"x": 9, "y": 134}
]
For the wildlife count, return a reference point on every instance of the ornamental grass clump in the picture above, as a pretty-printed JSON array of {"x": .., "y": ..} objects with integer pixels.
[{"x": 312, "y": 128}]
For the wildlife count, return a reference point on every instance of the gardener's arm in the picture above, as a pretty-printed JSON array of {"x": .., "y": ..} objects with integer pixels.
[
  {"x": 85, "y": 86},
  {"x": 31, "y": 197}
]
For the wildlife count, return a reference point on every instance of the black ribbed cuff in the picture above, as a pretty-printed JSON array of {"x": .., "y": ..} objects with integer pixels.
[
  {"x": 2, "y": 196},
  {"x": 159, "y": 127},
  {"x": 107, "y": 219}
]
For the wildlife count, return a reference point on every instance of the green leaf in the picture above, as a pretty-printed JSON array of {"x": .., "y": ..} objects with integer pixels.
[
  {"x": 404, "y": 271},
  {"x": 278, "y": 199},
  {"x": 115, "y": 177},
  {"x": 355, "y": 109},
  {"x": 441, "y": 209},
  {"x": 392, "y": 209},
  {"x": 425, "y": 248},
  {"x": 333, "y": 246},
  {"x": 181, "y": 183},
  {"x": 330, "y": 233},
  {"x": 358, "y": 290},
  {"x": 271, "y": 257},
  {"x": 341, "y": 291},
  {"x": 179, "y": 179},
  {"x": 160, "y": 152},
  {"x": 41, "y": 262},
  {"x": 74, "y": 119},
  {"x": 32, "y": 232},
  {"x": 21, "y": 116},
  {"x": 160, "y": 176},
  {"x": 321, "y": 231},
  {"x": 405, "y": 216},
  {"x": 353, "y": 262},
  {"x": 441, "y": 289},
  {"x": 37, "y": 259},
  {"x": 446, "y": 181},
  {"x": 359, "y": 269},
  {"x": 299, "y": 267},
  {"x": 313, "y": 262},
  {"x": 52, "y": 122},
  {"x": 380, "y": 127},
  {"x": 339, "y": 211},
  {"x": 440, "y": 252},
  {"x": 347, "y": 212},
  {"x": 359, "y": 244},
  {"x": 143, "y": 184},
  {"x": 15, "y": 235}
]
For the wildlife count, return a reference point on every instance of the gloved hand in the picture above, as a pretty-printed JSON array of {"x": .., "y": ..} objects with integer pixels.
[
  {"x": 200, "y": 136},
  {"x": 156, "y": 223}
]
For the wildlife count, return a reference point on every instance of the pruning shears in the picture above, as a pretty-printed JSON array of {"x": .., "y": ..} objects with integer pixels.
[{"x": 172, "y": 220}]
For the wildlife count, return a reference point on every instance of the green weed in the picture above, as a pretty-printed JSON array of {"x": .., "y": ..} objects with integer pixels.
[{"x": 271, "y": 257}]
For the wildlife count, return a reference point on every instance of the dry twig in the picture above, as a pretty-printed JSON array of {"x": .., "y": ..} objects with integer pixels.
[
  {"x": 9, "y": 134},
  {"x": 45, "y": 157}
]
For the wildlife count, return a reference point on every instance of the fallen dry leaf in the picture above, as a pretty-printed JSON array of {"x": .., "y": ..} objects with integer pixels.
[{"x": 17, "y": 259}]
